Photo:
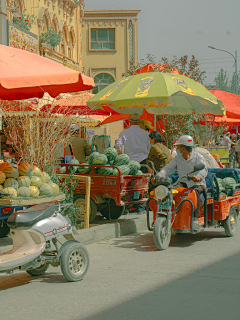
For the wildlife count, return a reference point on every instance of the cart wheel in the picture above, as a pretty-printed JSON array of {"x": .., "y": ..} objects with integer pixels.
[
  {"x": 230, "y": 224},
  {"x": 79, "y": 202},
  {"x": 112, "y": 211},
  {"x": 160, "y": 236},
  {"x": 74, "y": 262},
  {"x": 4, "y": 229},
  {"x": 38, "y": 271}
]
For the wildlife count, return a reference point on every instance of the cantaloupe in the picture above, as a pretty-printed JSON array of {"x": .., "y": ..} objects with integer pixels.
[
  {"x": 23, "y": 192},
  {"x": 45, "y": 177},
  {"x": 36, "y": 171},
  {"x": 2, "y": 177},
  {"x": 34, "y": 192},
  {"x": 11, "y": 191},
  {"x": 10, "y": 182},
  {"x": 23, "y": 181},
  {"x": 46, "y": 190},
  {"x": 55, "y": 188},
  {"x": 25, "y": 169},
  {"x": 36, "y": 181}
]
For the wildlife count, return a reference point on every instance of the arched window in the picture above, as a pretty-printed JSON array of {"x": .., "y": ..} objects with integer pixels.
[
  {"x": 102, "y": 80},
  {"x": 18, "y": 5},
  {"x": 45, "y": 24}
]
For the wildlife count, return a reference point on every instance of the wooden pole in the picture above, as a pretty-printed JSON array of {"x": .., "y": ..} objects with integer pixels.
[{"x": 87, "y": 203}]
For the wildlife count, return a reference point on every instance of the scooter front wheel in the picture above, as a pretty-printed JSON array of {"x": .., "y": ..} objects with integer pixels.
[
  {"x": 161, "y": 236},
  {"x": 74, "y": 262},
  {"x": 38, "y": 271}
]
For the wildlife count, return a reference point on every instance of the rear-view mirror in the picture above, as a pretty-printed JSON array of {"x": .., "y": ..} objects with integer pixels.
[{"x": 199, "y": 167}]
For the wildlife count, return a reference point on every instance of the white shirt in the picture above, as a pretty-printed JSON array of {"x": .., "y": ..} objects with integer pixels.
[
  {"x": 184, "y": 167},
  {"x": 136, "y": 143},
  {"x": 227, "y": 142}
]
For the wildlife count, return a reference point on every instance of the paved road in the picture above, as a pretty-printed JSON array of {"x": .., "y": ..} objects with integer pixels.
[{"x": 196, "y": 278}]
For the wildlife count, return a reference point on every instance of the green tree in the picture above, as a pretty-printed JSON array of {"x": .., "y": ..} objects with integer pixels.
[{"x": 222, "y": 81}]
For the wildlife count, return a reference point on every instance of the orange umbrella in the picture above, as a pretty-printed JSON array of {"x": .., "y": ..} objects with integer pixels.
[
  {"x": 231, "y": 102},
  {"x": 26, "y": 75}
]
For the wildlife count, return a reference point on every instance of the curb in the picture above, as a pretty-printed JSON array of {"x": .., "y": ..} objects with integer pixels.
[{"x": 121, "y": 227}]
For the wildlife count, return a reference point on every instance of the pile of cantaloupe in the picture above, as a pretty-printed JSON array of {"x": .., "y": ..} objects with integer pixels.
[{"x": 26, "y": 181}]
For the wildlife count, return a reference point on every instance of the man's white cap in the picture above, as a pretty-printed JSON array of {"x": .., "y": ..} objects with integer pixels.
[{"x": 185, "y": 140}]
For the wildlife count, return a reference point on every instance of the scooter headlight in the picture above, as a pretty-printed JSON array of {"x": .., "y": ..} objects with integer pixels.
[{"x": 161, "y": 192}]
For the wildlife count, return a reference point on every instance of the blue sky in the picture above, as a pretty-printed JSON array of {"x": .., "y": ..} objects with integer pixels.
[{"x": 179, "y": 27}]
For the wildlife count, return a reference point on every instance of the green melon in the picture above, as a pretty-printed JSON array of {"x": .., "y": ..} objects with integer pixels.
[
  {"x": 63, "y": 169},
  {"x": 111, "y": 154},
  {"x": 46, "y": 190},
  {"x": 92, "y": 156},
  {"x": 36, "y": 181},
  {"x": 25, "y": 169},
  {"x": 124, "y": 170},
  {"x": 122, "y": 159},
  {"x": 105, "y": 170},
  {"x": 228, "y": 183},
  {"x": 133, "y": 169},
  {"x": 11, "y": 172},
  {"x": 101, "y": 159},
  {"x": 24, "y": 181},
  {"x": 115, "y": 172},
  {"x": 55, "y": 188},
  {"x": 136, "y": 163},
  {"x": 139, "y": 172},
  {"x": 45, "y": 177},
  {"x": 34, "y": 192},
  {"x": 10, "y": 182},
  {"x": 82, "y": 169},
  {"x": 12, "y": 191},
  {"x": 36, "y": 171},
  {"x": 73, "y": 169},
  {"x": 23, "y": 192}
]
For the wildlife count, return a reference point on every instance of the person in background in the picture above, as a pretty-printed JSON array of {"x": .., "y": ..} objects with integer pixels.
[
  {"x": 136, "y": 145},
  {"x": 227, "y": 141},
  {"x": 79, "y": 145},
  {"x": 159, "y": 154}
]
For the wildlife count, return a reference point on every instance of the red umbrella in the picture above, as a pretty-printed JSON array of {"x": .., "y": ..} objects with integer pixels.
[
  {"x": 231, "y": 102},
  {"x": 26, "y": 75}
]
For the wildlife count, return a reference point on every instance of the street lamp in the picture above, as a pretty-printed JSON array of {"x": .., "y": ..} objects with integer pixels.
[{"x": 235, "y": 64}]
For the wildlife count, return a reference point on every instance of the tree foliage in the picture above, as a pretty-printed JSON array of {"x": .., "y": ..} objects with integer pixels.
[
  {"x": 50, "y": 37},
  {"x": 25, "y": 21}
]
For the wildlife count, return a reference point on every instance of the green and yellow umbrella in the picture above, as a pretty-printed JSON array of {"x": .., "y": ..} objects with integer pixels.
[{"x": 158, "y": 92}]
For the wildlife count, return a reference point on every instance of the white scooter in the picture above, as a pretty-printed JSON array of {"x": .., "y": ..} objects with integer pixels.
[{"x": 32, "y": 231}]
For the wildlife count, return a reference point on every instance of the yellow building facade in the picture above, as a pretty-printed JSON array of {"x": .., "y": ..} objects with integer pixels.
[
  {"x": 65, "y": 16},
  {"x": 110, "y": 42}
]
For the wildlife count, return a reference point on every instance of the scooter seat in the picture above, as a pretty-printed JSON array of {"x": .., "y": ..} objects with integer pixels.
[{"x": 32, "y": 215}]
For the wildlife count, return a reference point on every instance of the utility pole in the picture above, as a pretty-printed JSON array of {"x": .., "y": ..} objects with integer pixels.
[{"x": 3, "y": 23}]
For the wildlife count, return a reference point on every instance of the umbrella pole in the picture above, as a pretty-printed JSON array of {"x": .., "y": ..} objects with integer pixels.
[
  {"x": 212, "y": 131},
  {"x": 155, "y": 119}
]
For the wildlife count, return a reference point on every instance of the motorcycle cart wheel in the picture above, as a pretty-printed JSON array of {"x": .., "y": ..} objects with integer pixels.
[
  {"x": 112, "y": 211},
  {"x": 4, "y": 229},
  {"x": 230, "y": 224},
  {"x": 74, "y": 262},
  {"x": 160, "y": 236},
  {"x": 38, "y": 271},
  {"x": 79, "y": 203}
]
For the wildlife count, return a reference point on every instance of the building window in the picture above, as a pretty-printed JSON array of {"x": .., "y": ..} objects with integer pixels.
[
  {"x": 103, "y": 39},
  {"x": 102, "y": 80}
]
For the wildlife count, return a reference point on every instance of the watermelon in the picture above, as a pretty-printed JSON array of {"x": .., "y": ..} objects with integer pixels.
[
  {"x": 111, "y": 154},
  {"x": 220, "y": 183},
  {"x": 122, "y": 159},
  {"x": 45, "y": 177},
  {"x": 24, "y": 181},
  {"x": 228, "y": 183},
  {"x": 105, "y": 170},
  {"x": 73, "y": 169},
  {"x": 11, "y": 191},
  {"x": 46, "y": 190},
  {"x": 10, "y": 182},
  {"x": 124, "y": 169},
  {"x": 133, "y": 169},
  {"x": 115, "y": 172},
  {"x": 23, "y": 192},
  {"x": 11, "y": 172},
  {"x": 36, "y": 171},
  {"x": 139, "y": 172},
  {"x": 34, "y": 192},
  {"x": 55, "y": 188},
  {"x": 2, "y": 177},
  {"x": 36, "y": 181},
  {"x": 25, "y": 169},
  {"x": 84, "y": 169},
  {"x": 63, "y": 170},
  {"x": 92, "y": 156},
  {"x": 136, "y": 163},
  {"x": 101, "y": 159}
]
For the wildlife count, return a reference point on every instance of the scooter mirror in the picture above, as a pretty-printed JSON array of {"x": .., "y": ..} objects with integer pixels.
[{"x": 199, "y": 167}]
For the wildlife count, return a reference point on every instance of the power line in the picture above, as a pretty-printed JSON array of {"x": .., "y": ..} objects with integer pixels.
[{"x": 216, "y": 58}]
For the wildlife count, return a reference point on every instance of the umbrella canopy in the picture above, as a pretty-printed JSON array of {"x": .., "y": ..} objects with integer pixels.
[
  {"x": 26, "y": 75},
  {"x": 167, "y": 93},
  {"x": 231, "y": 102}
]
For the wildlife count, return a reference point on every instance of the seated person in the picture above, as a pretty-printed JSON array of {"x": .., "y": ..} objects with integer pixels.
[{"x": 184, "y": 163}]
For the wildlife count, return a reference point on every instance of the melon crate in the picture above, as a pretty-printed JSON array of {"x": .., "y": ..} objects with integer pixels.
[{"x": 112, "y": 187}]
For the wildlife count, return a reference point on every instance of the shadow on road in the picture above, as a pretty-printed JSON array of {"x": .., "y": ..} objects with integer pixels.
[{"x": 211, "y": 293}]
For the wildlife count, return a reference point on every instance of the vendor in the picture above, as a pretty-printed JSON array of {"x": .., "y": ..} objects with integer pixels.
[
  {"x": 78, "y": 145},
  {"x": 227, "y": 141}
]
